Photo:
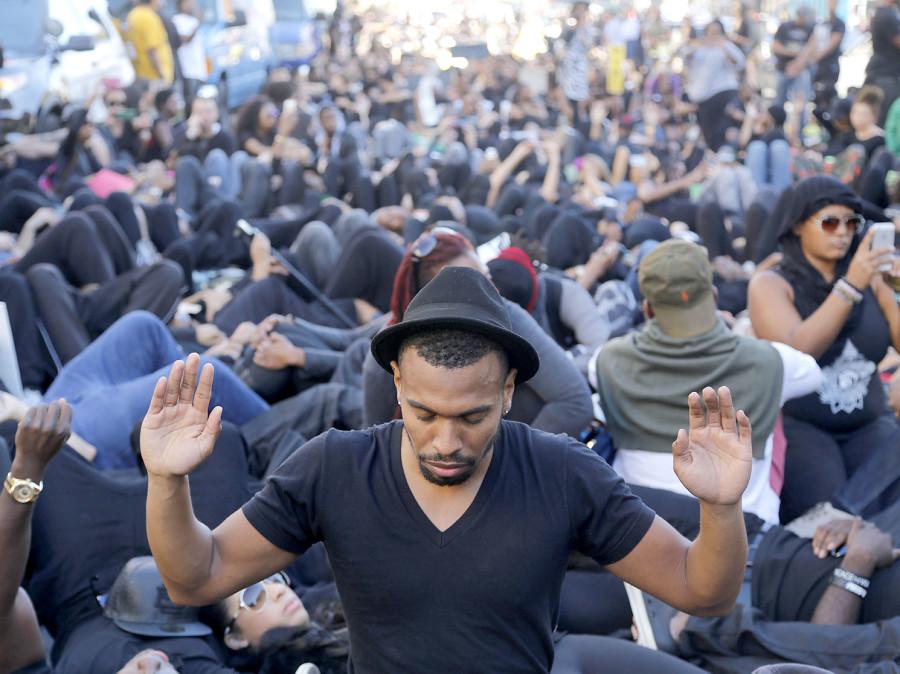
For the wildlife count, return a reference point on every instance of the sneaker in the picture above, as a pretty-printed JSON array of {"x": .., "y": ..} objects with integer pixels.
[
  {"x": 307, "y": 668},
  {"x": 651, "y": 619}
]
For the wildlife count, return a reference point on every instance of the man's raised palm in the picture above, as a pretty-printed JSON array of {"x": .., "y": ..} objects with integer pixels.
[
  {"x": 178, "y": 432},
  {"x": 714, "y": 457}
]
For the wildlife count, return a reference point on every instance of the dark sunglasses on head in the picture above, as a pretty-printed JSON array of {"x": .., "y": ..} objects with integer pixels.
[
  {"x": 253, "y": 598},
  {"x": 829, "y": 223},
  {"x": 423, "y": 247}
]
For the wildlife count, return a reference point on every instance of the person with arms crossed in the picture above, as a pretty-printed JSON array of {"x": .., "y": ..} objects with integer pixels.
[{"x": 427, "y": 519}]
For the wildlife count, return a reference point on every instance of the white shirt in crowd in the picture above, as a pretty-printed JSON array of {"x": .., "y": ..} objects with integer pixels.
[
  {"x": 191, "y": 55},
  {"x": 653, "y": 469}
]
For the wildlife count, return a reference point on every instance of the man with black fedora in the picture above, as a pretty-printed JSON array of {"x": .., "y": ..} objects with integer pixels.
[{"x": 448, "y": 531}]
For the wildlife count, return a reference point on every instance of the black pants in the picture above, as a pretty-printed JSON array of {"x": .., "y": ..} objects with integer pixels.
[
  {"x": 716, "y": 236},
  {"x": 366, "y": 269},
  {"x": 73, "y": 319},
  {"x": 761, "y": 229},
  {"x": 871, "y": 185},
  {"x": 275, "y": 295},
  {"x": 75, "y": 246},
  {"x": 712, "y": 119},
  {"x": 858, "y": 471}
]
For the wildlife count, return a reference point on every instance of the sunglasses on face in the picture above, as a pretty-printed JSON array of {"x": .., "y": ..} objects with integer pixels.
[
  {"x": 830, "y": 223},
  {"x": 253, "y": 598}
]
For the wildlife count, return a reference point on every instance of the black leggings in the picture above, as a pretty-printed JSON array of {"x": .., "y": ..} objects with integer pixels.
[
  {"x": 716, "y": 236},
  {"x": 858, "y": 471},
  {"x": 76, "y": 248},
  {"x": 761, "y": 228},
  {"x": 366, "y": 269},
  {"x": 73, "y": 319},
  {"x": 275, "y": 295},
  {"x": 712, "y": 119}
]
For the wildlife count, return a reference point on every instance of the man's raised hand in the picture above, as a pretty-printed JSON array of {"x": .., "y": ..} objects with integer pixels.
[
  {"x": 714, "y": 457},
  {"x": 179, "y": 432}
]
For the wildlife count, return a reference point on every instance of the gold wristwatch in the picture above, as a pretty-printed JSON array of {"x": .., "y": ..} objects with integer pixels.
[{"x": 22, "y": 491}]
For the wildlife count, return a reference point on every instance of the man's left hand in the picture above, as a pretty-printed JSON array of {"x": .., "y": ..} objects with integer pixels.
[{"x": 713, "y": 458}]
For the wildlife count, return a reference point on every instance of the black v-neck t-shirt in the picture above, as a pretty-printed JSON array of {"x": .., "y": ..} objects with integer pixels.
[{"x": 482, "y": 596}]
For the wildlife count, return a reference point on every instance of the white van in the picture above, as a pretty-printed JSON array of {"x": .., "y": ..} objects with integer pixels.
[{"x": 55, "y": 52}]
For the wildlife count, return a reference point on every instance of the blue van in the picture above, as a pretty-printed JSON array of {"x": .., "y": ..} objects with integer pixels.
[
  {"x": 238, "y": 55},
  {"x": 294, "y": 34}
]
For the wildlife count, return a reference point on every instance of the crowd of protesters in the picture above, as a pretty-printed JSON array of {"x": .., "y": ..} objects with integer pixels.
[{"x": 656, "y": 219}]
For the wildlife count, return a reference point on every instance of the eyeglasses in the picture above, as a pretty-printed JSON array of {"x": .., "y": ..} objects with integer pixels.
[
  {"x": 253, "y": 598},
  {"x": 423, "y": 247},
  {"x": 829, "y": 223}
]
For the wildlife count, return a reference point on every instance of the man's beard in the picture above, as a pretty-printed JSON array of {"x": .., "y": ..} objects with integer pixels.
[{"x": 470, "y": 465}]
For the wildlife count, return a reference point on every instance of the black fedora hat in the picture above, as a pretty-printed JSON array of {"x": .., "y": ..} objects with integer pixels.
[{"x": 461, "y": 299}]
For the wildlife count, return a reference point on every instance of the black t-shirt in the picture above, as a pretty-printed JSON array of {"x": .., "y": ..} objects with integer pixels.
[
  {"x": 200, "y": 147},
  {"x": 794, "y": 36},
  {"x": 885, "y": 61},
  {"x": 483, "y": 596},
  {"x": 97, "y": 645},
  {"x": 266, "y": 138}
]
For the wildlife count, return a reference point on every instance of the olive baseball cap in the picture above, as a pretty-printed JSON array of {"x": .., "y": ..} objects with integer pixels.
[{"x": 676, "y": 278}]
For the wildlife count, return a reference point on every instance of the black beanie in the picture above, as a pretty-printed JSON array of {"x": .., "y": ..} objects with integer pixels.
[{"x": 813, "y": 194}]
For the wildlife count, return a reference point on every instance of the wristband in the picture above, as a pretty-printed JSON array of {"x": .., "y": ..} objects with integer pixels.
[
  {"x": 846, "y": 290},
  {"x": 850, "y": 587},
  {"x": 851, "y": 577}
]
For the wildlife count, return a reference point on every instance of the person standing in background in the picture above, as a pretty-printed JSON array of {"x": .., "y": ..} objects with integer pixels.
[
  {"x": 147, "y": 35},
  {"x": 575, "y": 62},
  {"x": 191, "y": 55},
  {"x": 883, "y": 70},
  {"x": 791, "y": 47},
  {"x": 829, "y": 35}
]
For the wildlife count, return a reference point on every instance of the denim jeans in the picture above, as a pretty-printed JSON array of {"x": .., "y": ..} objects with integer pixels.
[
  {"x": 770, "y": 163},
  {"x": 110, "y": 383}
]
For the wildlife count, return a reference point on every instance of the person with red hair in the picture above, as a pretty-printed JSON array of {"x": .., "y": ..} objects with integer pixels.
[{"x": 556, "y": 400}]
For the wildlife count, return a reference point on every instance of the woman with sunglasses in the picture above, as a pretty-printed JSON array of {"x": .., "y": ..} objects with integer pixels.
[
  {"x": 267, "y": 628},
  {"x": 828, "y": 298}
]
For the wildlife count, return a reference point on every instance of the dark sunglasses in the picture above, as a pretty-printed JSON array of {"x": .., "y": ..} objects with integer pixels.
[
  {"x": 423, "y": 247},
  {"x": 253, "y": 598},
  {"x": 829, "y": 223}
]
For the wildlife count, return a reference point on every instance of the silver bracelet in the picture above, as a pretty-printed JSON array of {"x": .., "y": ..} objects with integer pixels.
[
  {"x": 851, "y": 577},
  {"x": 844, "y": 295},
  {"x": 847, "y": 289}
]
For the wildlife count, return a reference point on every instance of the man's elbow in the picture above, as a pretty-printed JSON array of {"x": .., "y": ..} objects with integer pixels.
[
  {"x": 184, "y": 596},
  {"x": 718, "y": 610}
]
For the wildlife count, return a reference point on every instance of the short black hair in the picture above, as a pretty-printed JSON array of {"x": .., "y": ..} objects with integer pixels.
[{"x": 452, "y": 348}]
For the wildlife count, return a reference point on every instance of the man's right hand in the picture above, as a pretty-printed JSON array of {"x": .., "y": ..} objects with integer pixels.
[{"x": 178, "y": 432}]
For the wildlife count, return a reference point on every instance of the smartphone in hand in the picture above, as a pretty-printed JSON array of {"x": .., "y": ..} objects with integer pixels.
[{"x": 883, "y": 238}]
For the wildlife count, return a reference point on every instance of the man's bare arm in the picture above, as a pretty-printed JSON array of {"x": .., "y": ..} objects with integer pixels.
[
  {"x": 198, "y": 566},
  {"x": 713, "y": 462}
]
